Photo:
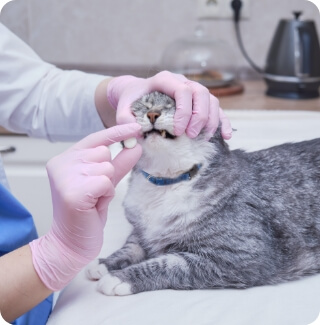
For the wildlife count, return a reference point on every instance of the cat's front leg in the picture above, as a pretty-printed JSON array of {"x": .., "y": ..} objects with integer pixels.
[
  {"x": 129, "y": 254},
  {"x": 170, "y": 271}
]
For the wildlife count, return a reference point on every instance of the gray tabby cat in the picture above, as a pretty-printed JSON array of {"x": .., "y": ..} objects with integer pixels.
[{"x": 206, "y": 217}]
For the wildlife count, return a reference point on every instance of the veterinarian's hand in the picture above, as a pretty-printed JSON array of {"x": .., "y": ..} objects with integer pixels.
[
  {"x": 82, "y": 181},
  {"x": 196, "y": 107}
]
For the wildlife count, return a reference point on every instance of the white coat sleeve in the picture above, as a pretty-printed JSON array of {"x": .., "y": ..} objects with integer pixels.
[{"x": 41, "y": 100}]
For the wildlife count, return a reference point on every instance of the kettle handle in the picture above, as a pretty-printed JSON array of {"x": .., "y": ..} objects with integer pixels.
[
  {"x": 301, "y": 44},
  {"x": 302, "y": 48}
]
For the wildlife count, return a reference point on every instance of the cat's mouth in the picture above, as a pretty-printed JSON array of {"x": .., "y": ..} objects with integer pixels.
[{"x": 163, "y": 133}]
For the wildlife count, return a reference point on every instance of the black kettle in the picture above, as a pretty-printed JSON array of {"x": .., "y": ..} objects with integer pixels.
[{"x": 293, "y": 62}]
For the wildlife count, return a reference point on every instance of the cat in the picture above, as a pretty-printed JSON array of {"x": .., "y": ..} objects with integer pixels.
[{"x": 206, "y": 217}]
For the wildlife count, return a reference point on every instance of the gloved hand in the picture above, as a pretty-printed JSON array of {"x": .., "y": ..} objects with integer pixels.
[
  {"x": 82, "y": 181},
  {"x": 196, "y": 107}
]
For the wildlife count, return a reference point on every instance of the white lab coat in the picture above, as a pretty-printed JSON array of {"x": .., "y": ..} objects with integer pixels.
[
  {"x": 41, "y": 100},
  {"x": 38, "y": 99}
]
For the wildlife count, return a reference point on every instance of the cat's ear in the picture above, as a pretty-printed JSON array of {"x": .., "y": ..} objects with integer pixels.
[{"x": 218, "y": 140}]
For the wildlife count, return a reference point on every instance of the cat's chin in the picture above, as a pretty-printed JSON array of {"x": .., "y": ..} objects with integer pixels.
[{"x": 178, "y": 154}]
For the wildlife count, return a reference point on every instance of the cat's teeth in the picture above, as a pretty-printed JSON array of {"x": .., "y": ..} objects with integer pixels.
[{"x": 163, "y": 133}]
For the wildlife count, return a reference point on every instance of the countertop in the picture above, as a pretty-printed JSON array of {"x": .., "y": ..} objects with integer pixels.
[{"x": 254, "y": 98}]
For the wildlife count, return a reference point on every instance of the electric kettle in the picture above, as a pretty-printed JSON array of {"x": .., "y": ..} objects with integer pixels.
[{"x": 293, "y": 62}]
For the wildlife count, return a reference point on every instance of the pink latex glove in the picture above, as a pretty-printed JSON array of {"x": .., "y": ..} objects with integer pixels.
[
  {"x": 82, "y": 181},
  {"x": 196, "y": 107}
]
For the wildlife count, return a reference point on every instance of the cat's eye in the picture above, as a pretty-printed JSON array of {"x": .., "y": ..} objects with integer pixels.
[{"x": 148, "y": 104}]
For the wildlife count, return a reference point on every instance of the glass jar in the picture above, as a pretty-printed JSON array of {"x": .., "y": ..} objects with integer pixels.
[{"x": 210, "y": 62}]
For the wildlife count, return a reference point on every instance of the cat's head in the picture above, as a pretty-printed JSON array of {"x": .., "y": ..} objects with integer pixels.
[{"x": 155, "y": 113}]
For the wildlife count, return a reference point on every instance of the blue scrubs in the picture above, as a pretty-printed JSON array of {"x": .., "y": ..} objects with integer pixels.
[{"x": 17, "y": 229}]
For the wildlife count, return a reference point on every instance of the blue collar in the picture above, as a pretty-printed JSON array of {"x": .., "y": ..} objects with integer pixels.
[{"x": 162, "y": 181}]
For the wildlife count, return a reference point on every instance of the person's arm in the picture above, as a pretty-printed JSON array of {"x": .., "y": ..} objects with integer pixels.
[
  {"x": 20, "y": 286},
  {"x": 82, "y": 181},
  {"x": 41, "y": 100},
  {"x": 106, "y": 112}
]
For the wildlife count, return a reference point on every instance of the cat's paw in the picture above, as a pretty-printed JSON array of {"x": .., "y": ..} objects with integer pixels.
[
  {"x": 95, "y": 270},
  {"x": 111, "y": 285}
]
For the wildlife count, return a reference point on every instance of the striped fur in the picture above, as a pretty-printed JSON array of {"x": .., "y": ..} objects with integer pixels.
[{"x": 246, "y": 219}]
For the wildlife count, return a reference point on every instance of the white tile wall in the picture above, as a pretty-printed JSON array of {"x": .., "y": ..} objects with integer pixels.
[{"x": 135, "y": 32}]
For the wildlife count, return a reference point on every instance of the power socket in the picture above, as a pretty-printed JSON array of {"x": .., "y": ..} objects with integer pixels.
[{"x": 220, "y": 9}]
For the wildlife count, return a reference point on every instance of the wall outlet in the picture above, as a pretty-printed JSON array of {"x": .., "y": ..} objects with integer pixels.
[{"x": 220, "y": 9}]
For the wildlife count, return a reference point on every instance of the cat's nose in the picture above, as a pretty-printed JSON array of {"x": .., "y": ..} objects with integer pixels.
[{"x": 153, "y": 116}]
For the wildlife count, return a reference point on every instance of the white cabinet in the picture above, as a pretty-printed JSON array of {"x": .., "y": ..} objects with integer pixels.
[{"x": 26, "y": 173}]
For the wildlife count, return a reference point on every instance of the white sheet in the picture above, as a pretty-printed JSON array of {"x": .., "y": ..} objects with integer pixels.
[{"x": 294, "y": 303}]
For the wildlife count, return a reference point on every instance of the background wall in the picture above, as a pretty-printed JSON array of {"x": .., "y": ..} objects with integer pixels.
[{"x": 136, "y": 32}]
